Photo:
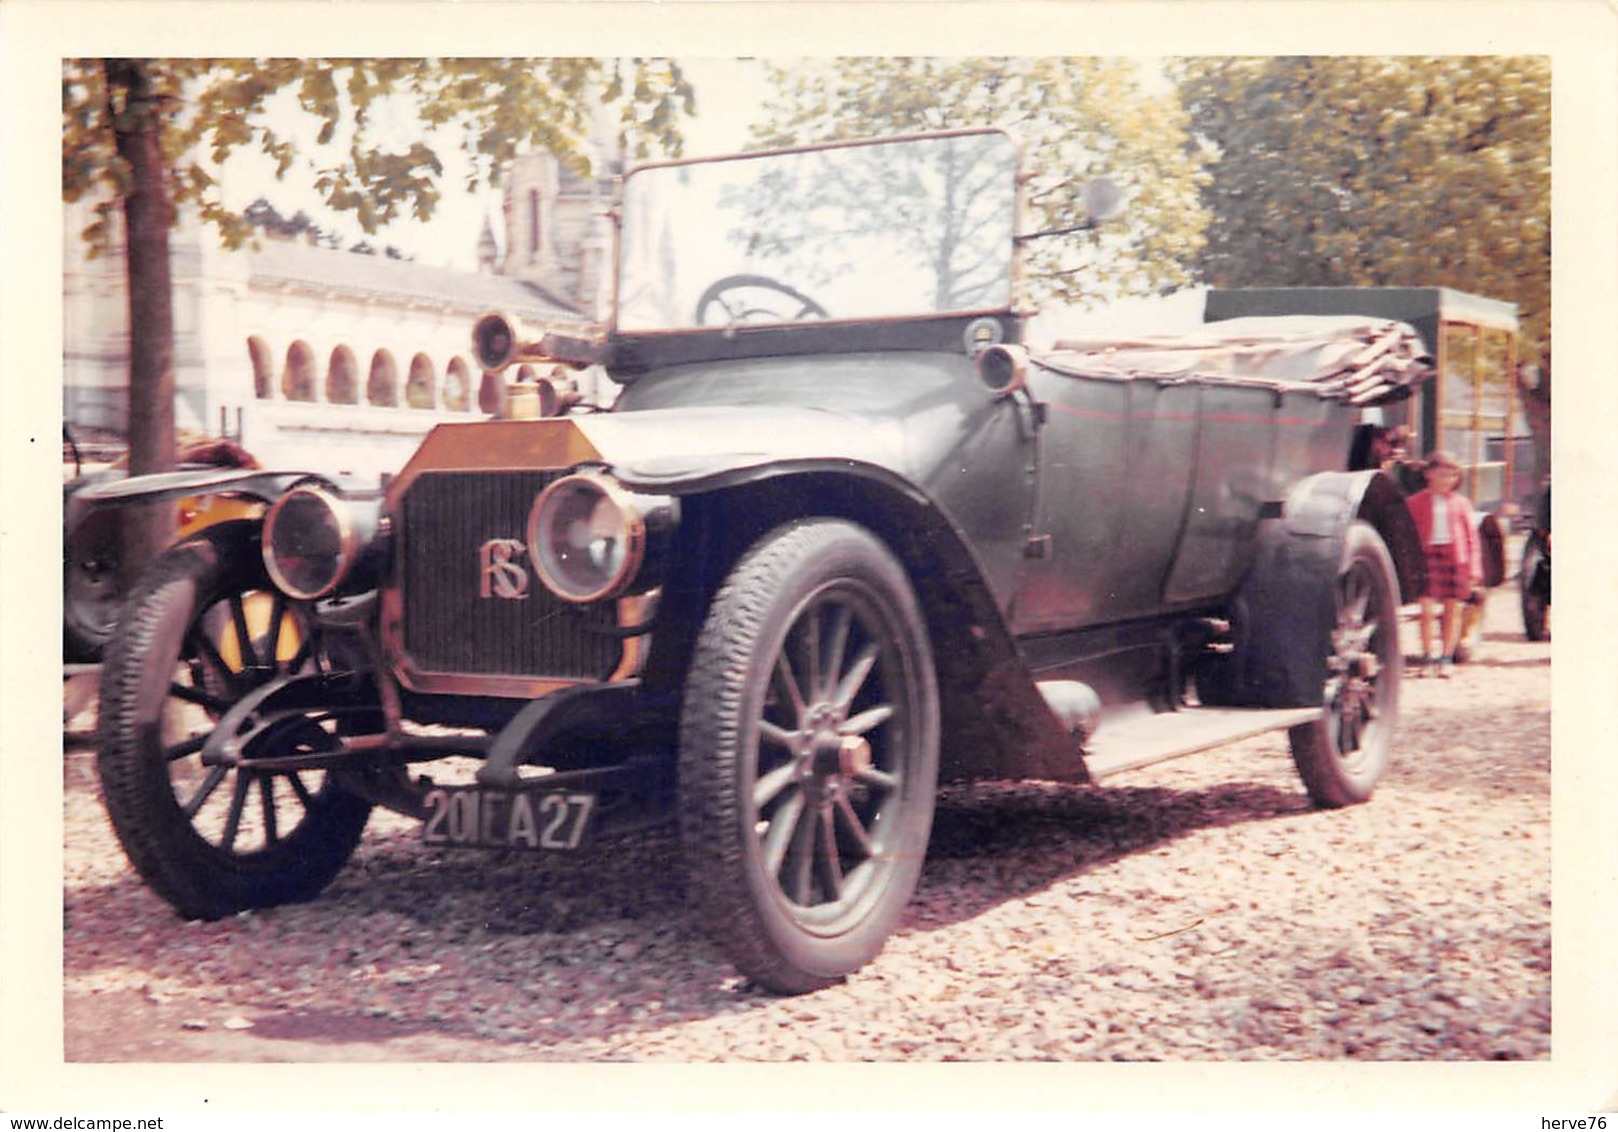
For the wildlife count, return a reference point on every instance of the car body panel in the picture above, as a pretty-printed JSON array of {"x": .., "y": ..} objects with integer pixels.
[{"x": 923, "y": 418}]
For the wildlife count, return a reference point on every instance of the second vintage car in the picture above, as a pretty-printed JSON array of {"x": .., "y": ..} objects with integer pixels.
[{"x": 843, "y": 535}]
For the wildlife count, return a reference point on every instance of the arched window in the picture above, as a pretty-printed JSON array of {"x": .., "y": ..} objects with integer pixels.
[
  {"x": 258, "y": 352},
  {"x": 383, "y": 386},
  {"x": 298, "y": 380},
  {"x": 420, "y": 388},
  {"x": 457, "y": 385},
  {"x": 342, "y": 378}
]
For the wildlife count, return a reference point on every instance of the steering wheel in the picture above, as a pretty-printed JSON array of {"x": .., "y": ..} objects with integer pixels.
[{"x": 754, "y": 298}]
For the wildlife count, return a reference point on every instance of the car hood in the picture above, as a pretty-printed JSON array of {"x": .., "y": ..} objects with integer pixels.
[
  {"x": 685, "y": 430},
  {"x": 688, "y": 446},
  {"x": 899, "y": 410},
  {"x": 669, "y": 450}
]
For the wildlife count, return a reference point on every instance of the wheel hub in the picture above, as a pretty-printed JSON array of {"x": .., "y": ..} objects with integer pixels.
[
  {"x": 822, "y": 723},
  {"x": 827, "y": 753}
]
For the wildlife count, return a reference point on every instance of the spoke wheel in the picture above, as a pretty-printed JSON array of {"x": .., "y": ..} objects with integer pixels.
[
  {"x": 809, "y": 756},
  {"x": 1342, "y": 755},
  {"x": 202, "y": 630}
]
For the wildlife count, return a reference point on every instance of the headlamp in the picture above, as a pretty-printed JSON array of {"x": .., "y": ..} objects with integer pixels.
[
  {"x": 588, "y": 536},
  {"x": 313, "y": 537}
]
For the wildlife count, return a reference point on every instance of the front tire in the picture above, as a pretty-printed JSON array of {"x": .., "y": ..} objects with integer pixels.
[
  {"x": 1341, "y": 755},
  {"x": 808, "y": 756},
  {"x": 204, "y": 627}
]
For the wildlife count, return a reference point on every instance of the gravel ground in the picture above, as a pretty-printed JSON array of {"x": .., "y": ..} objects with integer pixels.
[{"x": 1196, "y": 910}]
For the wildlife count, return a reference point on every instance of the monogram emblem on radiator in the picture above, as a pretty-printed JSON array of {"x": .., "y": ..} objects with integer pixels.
[{"x": 500, "y": 573}]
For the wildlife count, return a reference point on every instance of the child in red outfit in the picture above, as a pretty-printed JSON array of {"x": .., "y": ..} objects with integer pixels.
[{"x": 1449, "y": 537}]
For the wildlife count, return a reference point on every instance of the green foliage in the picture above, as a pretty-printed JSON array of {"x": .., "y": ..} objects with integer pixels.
[
  {"x": 1079, "y": 119},
  {"x": 1365, "y": 171},
  {"x": 380, "y": 125}
]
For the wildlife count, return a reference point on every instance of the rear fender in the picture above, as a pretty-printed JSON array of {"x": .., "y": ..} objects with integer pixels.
[
  {"x": 1377, "y": 499},
  {"x": 1323, "y": 505},
  {"x": 1285, "y": 610}
]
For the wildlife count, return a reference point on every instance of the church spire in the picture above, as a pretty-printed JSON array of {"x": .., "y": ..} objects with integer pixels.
[{"x": 488, "y": 252}]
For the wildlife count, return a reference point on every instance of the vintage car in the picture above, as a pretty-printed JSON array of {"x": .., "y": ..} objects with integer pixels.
[
  {"x": 843, "y": 535},
  {"x": 92, "y": 581}
]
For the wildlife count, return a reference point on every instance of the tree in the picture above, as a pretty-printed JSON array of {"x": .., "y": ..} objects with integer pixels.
[
  {"x": 1078, "y": 118},
  {"x": 151, "y": 134},
  {"x": 1364, "y": 171},
  {"x": 944, "y": 204}
]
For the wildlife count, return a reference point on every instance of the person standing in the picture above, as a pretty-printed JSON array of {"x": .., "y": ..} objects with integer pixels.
[
  {"x": 1449, "y": 538},
  {"x": 1390, "y": 449}
]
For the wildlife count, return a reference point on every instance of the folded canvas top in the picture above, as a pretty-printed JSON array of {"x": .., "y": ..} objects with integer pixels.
[{"x": 1364, "y": 360}]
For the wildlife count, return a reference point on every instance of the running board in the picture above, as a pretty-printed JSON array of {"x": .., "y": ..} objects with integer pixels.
[{"x": 1141, "y": 739}]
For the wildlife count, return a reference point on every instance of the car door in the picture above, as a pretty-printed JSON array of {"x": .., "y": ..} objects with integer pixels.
[
  {"x": 1235, "y": 450},
  {"x": 1115, "y": 459}
]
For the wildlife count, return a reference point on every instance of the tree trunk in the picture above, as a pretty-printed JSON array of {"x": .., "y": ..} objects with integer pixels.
[
  {"x": 1536, "y": 405},
  {"x": 138, "y": 132}
]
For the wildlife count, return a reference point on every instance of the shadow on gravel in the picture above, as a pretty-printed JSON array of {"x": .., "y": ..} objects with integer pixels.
[
  {"x": 1413, "y": 663},
  {"x": 332, "y": 1027},
  {"x": 1524, "y": 662},
  {"x": 1066, "y": 828},
  {"x": 636, "y": 886},
  {"x": 575, "y": 937},
  {"x": 1054, "y": 831},
  {"x": 517, "y": 893}
]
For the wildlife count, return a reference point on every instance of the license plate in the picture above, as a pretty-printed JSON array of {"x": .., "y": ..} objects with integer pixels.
[{"x": 474, "y": 818}]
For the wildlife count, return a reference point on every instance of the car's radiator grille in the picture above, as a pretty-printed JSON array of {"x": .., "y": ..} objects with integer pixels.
[{"x": 447, "y": 522}]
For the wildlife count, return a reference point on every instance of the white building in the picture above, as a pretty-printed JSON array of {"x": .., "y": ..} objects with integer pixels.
[{"x": 326, "y": 359}]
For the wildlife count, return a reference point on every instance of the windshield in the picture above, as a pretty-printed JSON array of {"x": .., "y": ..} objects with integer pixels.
[{"x": 917, "y": 226}]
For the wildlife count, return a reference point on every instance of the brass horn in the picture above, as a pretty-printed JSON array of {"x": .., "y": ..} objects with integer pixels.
[{"x": 499, "y": 341}]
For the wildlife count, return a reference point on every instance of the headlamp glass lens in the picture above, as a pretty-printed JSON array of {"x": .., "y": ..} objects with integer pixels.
[
  {"x": 581, "y": 540},
  {"x": 304, "y": 544}
]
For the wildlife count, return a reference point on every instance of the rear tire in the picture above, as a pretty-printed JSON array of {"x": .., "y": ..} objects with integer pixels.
[
  {"x": 808, "y": 756},
  {"x": 214, "y": 841},
  {"x": 1534, "y": 602},
  {"x": 1342, "y": 754}
]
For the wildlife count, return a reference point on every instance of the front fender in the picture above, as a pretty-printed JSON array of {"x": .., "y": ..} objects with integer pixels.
[
  {"x": 998, "y": 723},
  {"x": 266, "y": 487}
]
